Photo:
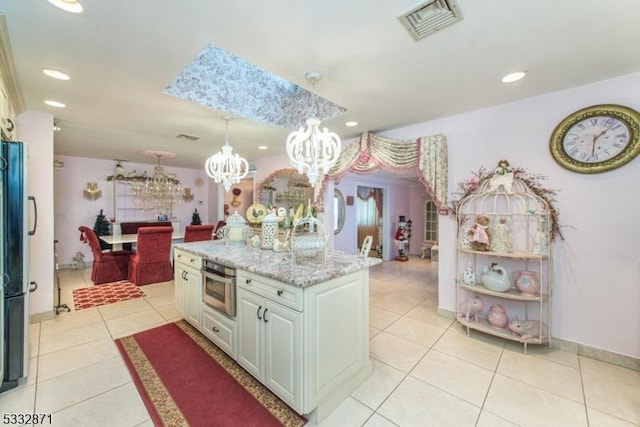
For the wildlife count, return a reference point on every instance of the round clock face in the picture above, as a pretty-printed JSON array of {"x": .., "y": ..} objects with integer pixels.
[{"x": 597, "y": 139}]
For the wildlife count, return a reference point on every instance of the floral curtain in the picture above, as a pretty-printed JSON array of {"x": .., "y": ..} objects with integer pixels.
[{"x": 427, "y": 156}]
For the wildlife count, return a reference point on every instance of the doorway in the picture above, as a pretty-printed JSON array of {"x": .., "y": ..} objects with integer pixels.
[{"x": 369, "y": 217}]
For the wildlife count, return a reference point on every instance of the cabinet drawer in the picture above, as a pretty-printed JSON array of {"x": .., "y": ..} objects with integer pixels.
[
  {"x": 220, "y": 330},
  {"x": 189, "y": 259},
  {"x": 282, "y": 293}
]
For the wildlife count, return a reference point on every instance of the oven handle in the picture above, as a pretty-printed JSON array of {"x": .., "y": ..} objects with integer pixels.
[{"x": 223, "y": 279}]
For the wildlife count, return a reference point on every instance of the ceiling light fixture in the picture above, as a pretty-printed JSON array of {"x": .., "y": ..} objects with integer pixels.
[
  {"x": 55, "y": 74},
  {"x": 311, "y": 151},
  {"x": 54, "y": 103},
  {"x": 225, "y": 167},
  {"x": 72, "y": 6},
  {"x": 351, "y": 124},
  {"x": 514, "y": 77},
  {"x": 160, "y": 192}
]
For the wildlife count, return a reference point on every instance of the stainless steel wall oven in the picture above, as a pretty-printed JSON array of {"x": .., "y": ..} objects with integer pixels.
[{"x": 219, "y": 287}]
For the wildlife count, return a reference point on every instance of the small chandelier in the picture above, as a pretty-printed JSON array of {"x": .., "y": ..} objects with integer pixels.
[
  {"x": 312, "y": 151},
  {"x": 224, "y": 167},
  {"x": 160, "y": 192}
]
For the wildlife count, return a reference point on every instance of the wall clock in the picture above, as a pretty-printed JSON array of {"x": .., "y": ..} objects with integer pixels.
[{"x": 597, "y": 138}]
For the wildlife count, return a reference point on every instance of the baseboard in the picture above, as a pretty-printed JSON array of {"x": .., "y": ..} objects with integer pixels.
[
  {"x": 622, "y": 360},
  {"x": 41, "y": 317}
]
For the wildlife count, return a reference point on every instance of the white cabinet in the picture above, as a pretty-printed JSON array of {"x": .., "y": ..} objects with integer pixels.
[
  {"x": 504, "y": 285},
  {"x": 188, "y": 286},
  {"x": 270, "y": 342},
  {"x": 310, "y": 346}
]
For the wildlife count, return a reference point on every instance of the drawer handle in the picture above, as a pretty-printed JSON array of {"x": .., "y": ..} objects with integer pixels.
[
  {"x": 179, "y": 255},
  {"x": 215, "y": 329},
  {"x": 192, "y": 259},
  {"x": 248, "y": 281},
  {"x": 258, "y": 313},
  {"x": 280, "y": 292}
]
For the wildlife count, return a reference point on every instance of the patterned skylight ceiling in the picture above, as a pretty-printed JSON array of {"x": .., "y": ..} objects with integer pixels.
[{"x": 223, "y": 81}]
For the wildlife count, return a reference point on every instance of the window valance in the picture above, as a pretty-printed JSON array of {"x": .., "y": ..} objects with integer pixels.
[{"x": 427, "y": 156}]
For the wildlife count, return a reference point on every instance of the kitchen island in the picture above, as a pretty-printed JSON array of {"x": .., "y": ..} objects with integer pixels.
[{"x": 300, "y": 329}]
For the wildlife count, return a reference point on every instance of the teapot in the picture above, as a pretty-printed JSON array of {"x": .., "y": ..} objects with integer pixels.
[{"x": 495, "y": 278}]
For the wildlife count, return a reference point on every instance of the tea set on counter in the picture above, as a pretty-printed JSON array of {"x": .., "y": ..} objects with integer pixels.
[{"x": 496, "y": 278}]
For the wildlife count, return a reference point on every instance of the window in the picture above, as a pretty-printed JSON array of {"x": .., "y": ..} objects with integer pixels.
[{"x": 430, "y": 222}]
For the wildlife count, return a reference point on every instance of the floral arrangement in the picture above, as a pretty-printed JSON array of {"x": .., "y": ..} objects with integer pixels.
[{"x": 532, "y": 181}]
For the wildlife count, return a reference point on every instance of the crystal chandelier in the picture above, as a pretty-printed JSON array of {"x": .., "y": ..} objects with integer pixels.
[
  {"x": 160, "y": 192},
  {"x": 313, "y": 151},
  {"x": 225, "y": 167}
]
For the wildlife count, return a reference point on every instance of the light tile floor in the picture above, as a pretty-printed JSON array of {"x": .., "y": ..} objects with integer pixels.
[{"x": 427, "y": 371}]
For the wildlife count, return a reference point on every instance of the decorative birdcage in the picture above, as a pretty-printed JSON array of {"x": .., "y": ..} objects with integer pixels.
[
  {"x": 236, "y": 231},
  {"x": 309, "y": 239}
]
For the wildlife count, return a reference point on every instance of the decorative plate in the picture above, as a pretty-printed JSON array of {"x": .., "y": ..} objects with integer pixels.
[{"x": 256, "y": 212}]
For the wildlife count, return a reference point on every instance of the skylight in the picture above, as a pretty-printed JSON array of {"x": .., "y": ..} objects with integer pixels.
[{"x": 221, "y": 80}]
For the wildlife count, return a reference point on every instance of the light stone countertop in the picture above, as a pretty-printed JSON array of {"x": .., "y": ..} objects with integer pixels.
[{"x": 279, "y": 265}]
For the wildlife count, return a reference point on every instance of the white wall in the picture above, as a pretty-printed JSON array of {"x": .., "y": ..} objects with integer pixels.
[
  {"x": 73, "y": 210},
  {"x": 36, "y": 130},
  {"x": 597, "y": 266}
]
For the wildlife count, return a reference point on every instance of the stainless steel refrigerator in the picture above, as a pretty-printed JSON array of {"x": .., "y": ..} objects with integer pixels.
[{"x": 17, "y": 215}]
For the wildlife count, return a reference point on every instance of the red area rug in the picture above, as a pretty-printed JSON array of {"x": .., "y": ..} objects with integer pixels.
[
  {"x": 185, "y": 380},
  {"x": 105, "y": 294}
]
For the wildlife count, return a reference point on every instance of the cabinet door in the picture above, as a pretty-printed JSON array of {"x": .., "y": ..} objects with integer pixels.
[
  {"x": 250, "y": 331},
  {"x": 193, "y": 296},
  {"x": 180, "y": 282},
  {"x": 283, "y": 352}
]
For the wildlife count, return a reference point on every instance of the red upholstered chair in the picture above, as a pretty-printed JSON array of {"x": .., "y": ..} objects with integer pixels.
[
  {"x": 219, "y": 225},
  {"x": 152, "y": 261},
  {"x": 132, "y": 228},
  {"x": 107, "y": 266},
  {"x": 196, "y": 233}
]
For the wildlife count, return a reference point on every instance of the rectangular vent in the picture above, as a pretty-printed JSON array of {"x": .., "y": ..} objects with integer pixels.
[
  {"x": 187, "y": 137},
  {"x": 429, "y": 17}
]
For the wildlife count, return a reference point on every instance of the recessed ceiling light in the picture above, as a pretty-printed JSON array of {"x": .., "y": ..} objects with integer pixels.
[
  {"x": 72, "y": 6},
  {"x": 351, "y": 124},
  {"x": 55, "y": 74},
  {"x": 262, "y": 147},
  {"x": 56, "y": 127},
  {"x": 514, "y": 77},
  {"x": 54, "y": 103}
]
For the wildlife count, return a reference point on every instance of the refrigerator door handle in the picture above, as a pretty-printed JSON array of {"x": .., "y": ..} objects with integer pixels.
[{"x": 35, "y": 215}]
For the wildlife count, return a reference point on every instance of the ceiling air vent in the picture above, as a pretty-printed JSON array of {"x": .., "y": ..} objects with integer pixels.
[
  {"x": 187, "y": 137},
  {"x": 429, "y": 17}
]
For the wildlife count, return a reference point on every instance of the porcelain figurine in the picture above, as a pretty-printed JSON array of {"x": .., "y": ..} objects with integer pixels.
[
  {"x": 502, "y": 177},
  {"x": 471, "y": 307},
  {"x": 527, "y": 282},
  {"x": 497, "y": 317},
  {"x": 468, "y": 275},
  {"x": 526, "y": 329},
  {"x": 495, "y": 278}
]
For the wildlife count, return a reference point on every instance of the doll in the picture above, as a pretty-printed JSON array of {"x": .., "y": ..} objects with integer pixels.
[
  {"x": 501, "y": 240},
  {"x": 480, "y": 234}
]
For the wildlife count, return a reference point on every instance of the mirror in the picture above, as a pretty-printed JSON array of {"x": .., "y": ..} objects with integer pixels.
[
  {"x": 284, "y": 188},
  {"x": 339, "y": 211}
]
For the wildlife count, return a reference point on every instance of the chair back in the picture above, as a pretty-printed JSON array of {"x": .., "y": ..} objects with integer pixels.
[
  {"x": 87, "y": 235},
  {"x": 154, "y": 244},
  {"x": 219, "y": 225},
  {"x": 196, "y": 233},
  {"x": 366, "y": 246}
]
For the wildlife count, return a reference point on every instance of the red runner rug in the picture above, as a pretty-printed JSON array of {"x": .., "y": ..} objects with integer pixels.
[
  {"x": 185, "y": 380},
  {"x": 108, "y": 293}
]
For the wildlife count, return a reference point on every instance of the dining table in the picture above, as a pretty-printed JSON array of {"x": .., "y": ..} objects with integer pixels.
[{"x": 119, "y": 239}]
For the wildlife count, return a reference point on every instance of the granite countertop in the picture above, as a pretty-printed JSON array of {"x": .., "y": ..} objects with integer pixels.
[{"x": 279, "y": 265}]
